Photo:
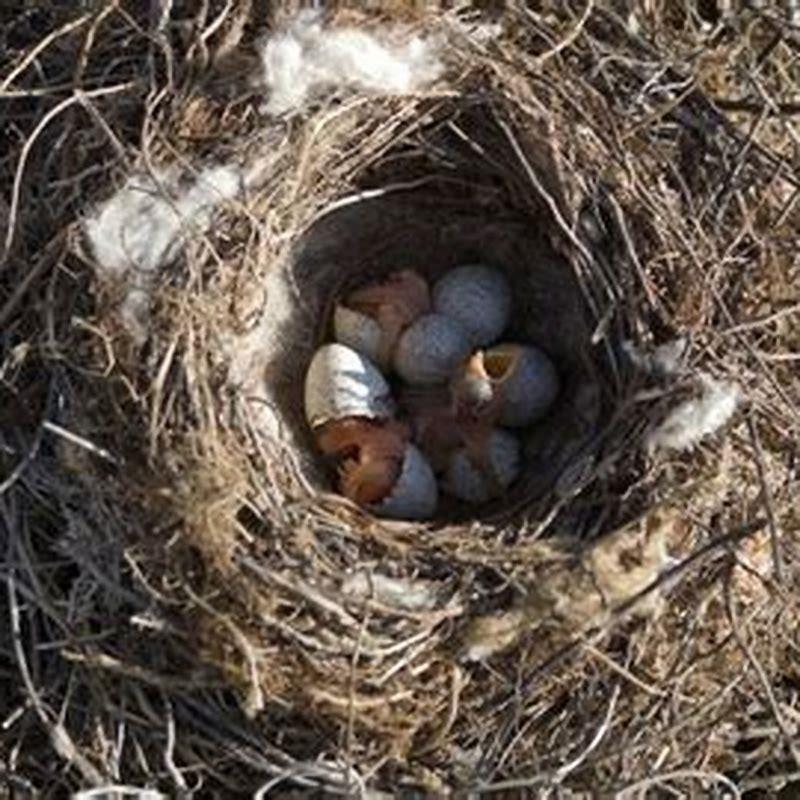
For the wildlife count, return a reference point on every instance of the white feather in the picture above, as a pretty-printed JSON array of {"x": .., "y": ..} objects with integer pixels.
[
  {"x": 696, "y": 418},
  {"x": 407, "y": 593},
  {"x": 665, "y": 360},
  {"x": 141, "y": 227},
  {"x": 306, "y": 57}
]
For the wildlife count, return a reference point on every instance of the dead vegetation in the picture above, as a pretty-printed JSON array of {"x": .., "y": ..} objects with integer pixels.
[{"x": 188, "y": 610}]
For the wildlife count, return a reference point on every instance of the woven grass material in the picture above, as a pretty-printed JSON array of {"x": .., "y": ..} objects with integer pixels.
[{"x": 617, "y": 615}]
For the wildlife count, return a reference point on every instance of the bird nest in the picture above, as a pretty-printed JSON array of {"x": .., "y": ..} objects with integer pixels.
[{"x": 542, "y": 639}]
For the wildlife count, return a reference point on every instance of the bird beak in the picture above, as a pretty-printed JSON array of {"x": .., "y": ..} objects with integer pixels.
[
  {"x": 500, "y": 363},
  {"x": 471, "y": 390}
]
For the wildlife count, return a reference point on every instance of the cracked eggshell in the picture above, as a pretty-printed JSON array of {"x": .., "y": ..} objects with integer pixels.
[
  {"x": 341, "y": 382},
  {"x": 358, "y": 331},
  {"x": 430, "y": 350},
  {"x": 479, "y": 297},
  {"x": 416, "y": 494},
  {"x": 469, "y": 483},
  {"x": 530, "y": 387}
]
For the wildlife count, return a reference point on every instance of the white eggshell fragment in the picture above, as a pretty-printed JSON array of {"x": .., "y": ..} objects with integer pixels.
[
  {"x": 343, "y": 383},
  {"x": 415, "y": 495},
  {"x": 469, "y": 483},
  {"x": 479, "y": 298},
  {"x": 529, "y": 388},
  {"x": 358, "y": 331},
  {"x": 430, "y": 350}
]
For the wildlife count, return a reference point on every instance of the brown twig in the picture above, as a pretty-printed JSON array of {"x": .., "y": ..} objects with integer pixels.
[{"x": 766, "y": 497}]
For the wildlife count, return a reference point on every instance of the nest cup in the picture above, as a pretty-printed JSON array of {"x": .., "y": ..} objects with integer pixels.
[{"x": 412, "y": 211}]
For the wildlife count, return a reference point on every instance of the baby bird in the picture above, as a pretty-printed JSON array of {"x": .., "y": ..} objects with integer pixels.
[
  {"x": 444, "y": 424},
  {"x": 510, "y": 384},
  {"x": 371, "y": 319},
  {"x": 435, "y": 428},
  {"x": 498, "y": 469},
  {"x": 370, "y": 455}
]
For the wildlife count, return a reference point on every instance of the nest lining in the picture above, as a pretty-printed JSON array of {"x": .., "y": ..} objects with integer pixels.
[
  {"x": 431, "y": 229},
  {"x": 422, "y": 231}
]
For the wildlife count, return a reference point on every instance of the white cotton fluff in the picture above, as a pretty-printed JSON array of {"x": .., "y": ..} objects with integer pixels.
[
  {"x": 694, "y": 419},
  {"x": 142, "y": 226},
  {"x": 306, "y": 57},
  {"x": 666, "y": 360},
  {"x": 405, "y": 593}
]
